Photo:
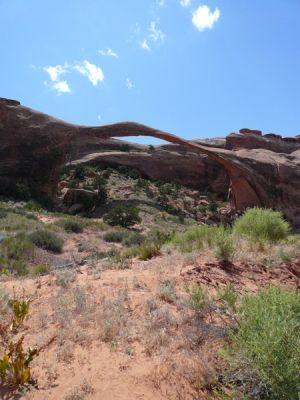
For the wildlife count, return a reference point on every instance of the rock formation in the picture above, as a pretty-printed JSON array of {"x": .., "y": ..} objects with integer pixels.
[{"x": 34, "y": 146}]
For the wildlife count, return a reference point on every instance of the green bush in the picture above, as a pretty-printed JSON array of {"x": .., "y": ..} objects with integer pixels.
[
  {"x": 33, "y": 205},
  {"x": 99, "y": 181},
  {"x": 101, "y": 196},
  {"x": 133, "y": 239},
  {"x": 260, "y": 224},
  {"x": 125, "y": 216},
  {"x": 195, "y": 238},
  {"x": 143, "y": 252},
  {"x": 265, "y": 349},
  {"x": 148, "y": 250},
  {"x": 73, "y": 226},
  {"x": 3, "y": 213},
  {"x": 16, "y": 247},
  {"x": 14, "y": 251},
  {"x": 79, "y": 172},
  {"x": 223, "y": 244},
  {"x": 40, "y": 269},
  {"x": 114, "y": 236},
  {"x": 198, "y": 299},
  {"x": 47, "y": 241}
]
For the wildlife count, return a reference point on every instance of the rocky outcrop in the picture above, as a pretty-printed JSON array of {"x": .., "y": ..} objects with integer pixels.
[
  {"x": 253, "y": 139},
  {"x": 189, "y": 169},
  {"x": 34, "y": 146}
]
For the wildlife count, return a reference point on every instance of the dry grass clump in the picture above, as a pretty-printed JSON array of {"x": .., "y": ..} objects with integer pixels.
[
  {"x": 114, "y": 318},
  {"x": 167, "y": 290},
  {"x": 159, "y": 327}
]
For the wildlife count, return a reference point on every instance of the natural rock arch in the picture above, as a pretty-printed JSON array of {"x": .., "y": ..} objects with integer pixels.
[{"x": 34, "y": 146}]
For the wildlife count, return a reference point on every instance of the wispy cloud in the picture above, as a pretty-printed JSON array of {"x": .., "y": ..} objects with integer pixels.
[
  {"x": 185, "y": 3},
  {"x": 144, "y": 45},
  {"x": 108, "y": 53},
  {"x": 85, "y": 68},
  {"x": 203, "y": 18},
  {"x": 129, "y": 84},
  {"x": 94, "y": 74},
  {"x": 99, "y": 117},
  {"x": 155, "y": 35}
]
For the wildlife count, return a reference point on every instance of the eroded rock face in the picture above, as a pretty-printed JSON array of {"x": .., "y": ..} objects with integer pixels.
[
  {"x": 253, "y": 139},
  {"x": 34, "y": 146},
  {"x": 191, "y": 169}
]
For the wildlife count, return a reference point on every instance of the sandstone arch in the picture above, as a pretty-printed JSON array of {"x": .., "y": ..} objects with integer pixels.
[{"x": 34, "y": 146}]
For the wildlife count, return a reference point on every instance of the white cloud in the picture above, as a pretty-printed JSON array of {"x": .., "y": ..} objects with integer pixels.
[
  {"x": 99, "y": 118},
  {"x": 129, "y": 84},
  {"x": 156, "y": 34},
  {"x": 61, "y": 87},
  {"x": 144, "y": 45},
  {"x": 108, "y": 53},
  {"x": 185, "y": 3},
  {"x": 204, "y": 18},
  {"x": 55, "y": 71},
  {"x": 91, "y": 71}
]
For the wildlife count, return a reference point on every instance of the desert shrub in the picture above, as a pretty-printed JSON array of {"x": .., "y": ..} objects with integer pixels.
[
  {"x": 264, "y": 354},
  {"x": 147, "y": 251},
  {"x": 163, "y": 237},
  {"x": 129, "y": 172},
  {"x": 198, "y": 299},
  {"x": 14, "y": 251},
  {"x": 79, "y": 172},
  {"x": 133, "y": 239},
  {"x": 260, "y": 224},
  {"x": 142, "y": 183},
  {"x": 125, "y": 147},
  {"x": 195, "y": 238},
  {"x": 33, "y": 205},
  {"x": 99, "y": 184},
  {"x": 101, "y": 195},
  {"x": 114, "y": 236},
  {"x": 65, "y": 278},
  {"x": 16, "y": 247},
  {"x": 212, "y": 207},
  {"x": 125, "y": 216},
  {"x": 167, "y": 290},
  {"x": 73, "y": 184},
  {"x": 73, "y": 226},
  {"x": 99, "y": 181},
  {"x": 223, "y": 244},
  {"x": 100, "y": 255},
  {"x": 228, "y": 297},
  {"x": 40, "y": 269},
  {"x": 3, "y": 213},
  {"x": 47, "y": 240}
]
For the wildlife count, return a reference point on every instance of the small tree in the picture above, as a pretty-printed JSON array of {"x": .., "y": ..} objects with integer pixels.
[{"x": 125, "y": 216}]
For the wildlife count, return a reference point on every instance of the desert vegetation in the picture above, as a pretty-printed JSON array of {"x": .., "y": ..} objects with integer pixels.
[{"x": 169, "y": 305}]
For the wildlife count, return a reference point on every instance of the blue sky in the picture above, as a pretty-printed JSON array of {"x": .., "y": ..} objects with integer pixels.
[{"x": 193, "y": 68}]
